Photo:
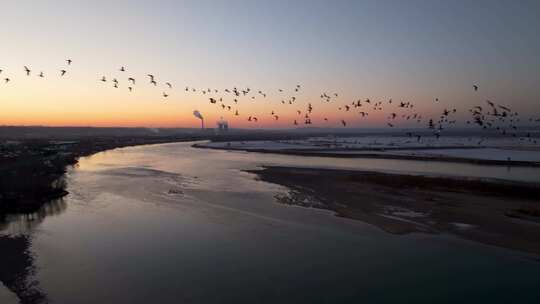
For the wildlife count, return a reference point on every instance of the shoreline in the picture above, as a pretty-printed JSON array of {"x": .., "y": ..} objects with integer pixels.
[
  {"x": 503, "y": 214},
  {"x": 335, "y": 153}
]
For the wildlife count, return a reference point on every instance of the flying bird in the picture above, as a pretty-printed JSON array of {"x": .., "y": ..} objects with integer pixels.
[
  {"x": 169, "y": 85},
  {"x": 62, "y": 72},
  {"x": 27, "y": 70},
  {"x": 68, "y": 61},
  {"x": 152, "y": 81}
]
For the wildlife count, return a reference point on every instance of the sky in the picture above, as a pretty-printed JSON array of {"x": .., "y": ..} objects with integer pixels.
[{"x": 405, "y": 50}]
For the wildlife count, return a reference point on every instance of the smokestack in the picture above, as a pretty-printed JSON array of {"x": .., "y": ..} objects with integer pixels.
[{"x": 198, "y": 114}]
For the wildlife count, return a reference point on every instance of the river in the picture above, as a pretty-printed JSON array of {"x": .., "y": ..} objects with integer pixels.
[{"x": 175, "y": 224}]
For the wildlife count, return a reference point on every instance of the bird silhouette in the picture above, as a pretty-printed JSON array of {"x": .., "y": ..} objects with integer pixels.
[
  {"x": 62, "y": 72},
  {"x": 169, "y": 85},
  {"x": 27, "y": 70},
  {"x": 68, "y": 61}
]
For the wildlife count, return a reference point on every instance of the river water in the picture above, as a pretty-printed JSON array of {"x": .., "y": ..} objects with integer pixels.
[{"x": 174, "y": 224}]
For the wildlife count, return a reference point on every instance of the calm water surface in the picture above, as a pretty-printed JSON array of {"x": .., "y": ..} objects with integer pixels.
[{"x": 174, "y": 224}]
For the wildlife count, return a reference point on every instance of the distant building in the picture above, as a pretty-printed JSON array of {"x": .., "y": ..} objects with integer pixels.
[{"x": 223, "y": 125}]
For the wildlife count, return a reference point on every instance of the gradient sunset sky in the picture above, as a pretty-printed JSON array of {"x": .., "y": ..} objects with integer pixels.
[{"x": 405, "y": 50}]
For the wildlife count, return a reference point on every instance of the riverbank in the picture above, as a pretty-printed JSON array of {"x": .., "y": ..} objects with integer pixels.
[{"x": 500, "y": 213}]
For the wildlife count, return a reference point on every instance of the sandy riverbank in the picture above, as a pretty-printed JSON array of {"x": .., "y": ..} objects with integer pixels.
[{"x": 504, "y": 214}]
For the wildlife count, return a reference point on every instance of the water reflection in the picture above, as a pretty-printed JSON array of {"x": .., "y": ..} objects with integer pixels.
[
  {"x": 17, "y": 266},
  {"x": 15, "y": 224},
  {"x": 17, "y": 269}
]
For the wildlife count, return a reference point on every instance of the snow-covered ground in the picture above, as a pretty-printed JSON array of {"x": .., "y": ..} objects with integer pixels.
[
  {"x": 480, "y": 153},
  {"x": 458, "y": 147},
  {"x": 269, "y": 145},
  {"x": 377, "y": 143}
]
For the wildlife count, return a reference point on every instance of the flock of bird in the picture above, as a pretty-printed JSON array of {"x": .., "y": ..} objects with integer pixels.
[
  {"x": 488, "y": 116},
  {"x": 28, "y": 72},
  {"x": 132, "y": 82}
]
